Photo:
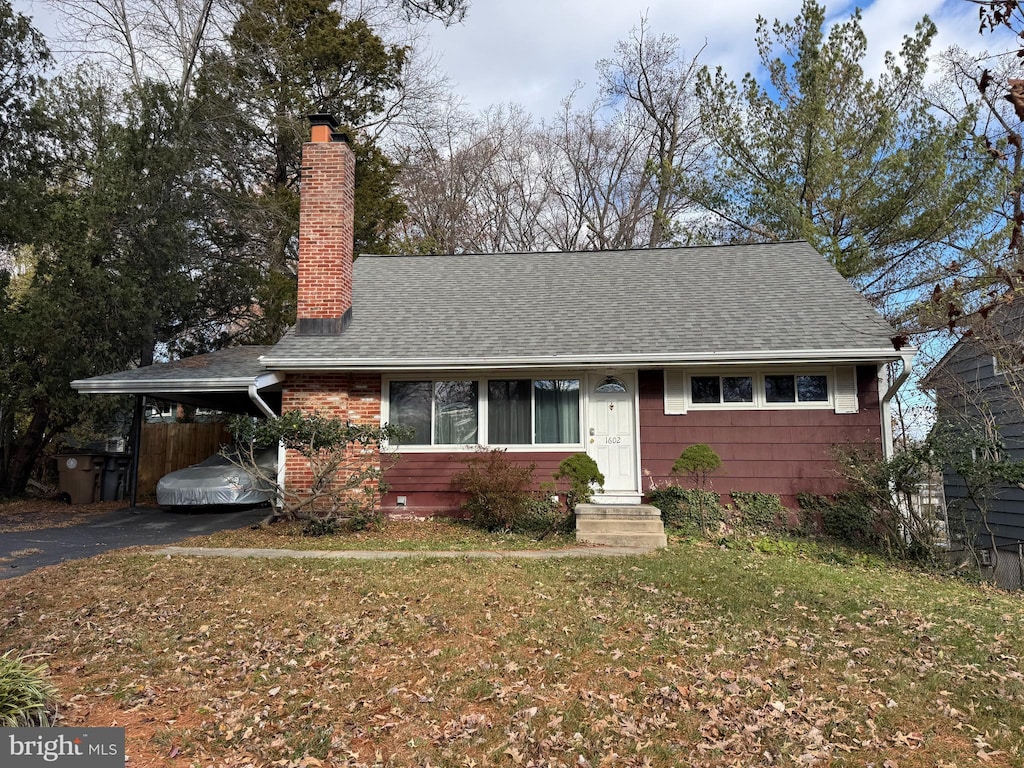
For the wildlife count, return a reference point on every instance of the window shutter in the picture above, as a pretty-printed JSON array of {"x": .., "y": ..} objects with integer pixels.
[
  {"x": 846, "y": 389},
  {"x": 675, "y": 391}
]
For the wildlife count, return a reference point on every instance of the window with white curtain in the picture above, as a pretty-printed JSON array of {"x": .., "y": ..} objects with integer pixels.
[
  {"x": 512, "y": 412},
  {"x": 557, "y": 410}
]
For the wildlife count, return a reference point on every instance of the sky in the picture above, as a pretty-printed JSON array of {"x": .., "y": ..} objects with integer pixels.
[{"x": 532, "y": 52}]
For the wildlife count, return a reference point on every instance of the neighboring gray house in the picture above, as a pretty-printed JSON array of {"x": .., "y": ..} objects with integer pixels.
[{"x": 979, "y": 389}]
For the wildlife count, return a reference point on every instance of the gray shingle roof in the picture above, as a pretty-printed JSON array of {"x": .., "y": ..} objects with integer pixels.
[
  {"x": 602, "y": 306},
  {"x": 227, "y": 368},
  {"x": 218, "y": 380}
]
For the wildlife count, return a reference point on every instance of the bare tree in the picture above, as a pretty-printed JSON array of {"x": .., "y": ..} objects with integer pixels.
[
  {"x": 473, "y": 186},
  {"x": 144, "y": 39},
  {"x": 654, "y": 74},
  {"x": 598, "y": 171},
  {"x": 988, "y": 265}
]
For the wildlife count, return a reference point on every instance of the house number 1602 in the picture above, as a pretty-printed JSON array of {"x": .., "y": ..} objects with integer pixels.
[{"x": 613, "y": 439}]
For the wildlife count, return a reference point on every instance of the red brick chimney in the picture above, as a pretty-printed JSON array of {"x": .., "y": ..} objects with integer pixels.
[{"x": 326, "y": 210}]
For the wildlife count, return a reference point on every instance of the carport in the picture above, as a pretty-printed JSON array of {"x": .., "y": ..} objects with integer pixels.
[{"x": 231, "y": 380}]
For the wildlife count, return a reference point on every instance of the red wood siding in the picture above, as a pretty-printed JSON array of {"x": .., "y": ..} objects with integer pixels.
[
  {"x": 425, "y": 479},
  {"x": 772, "y": 451}
]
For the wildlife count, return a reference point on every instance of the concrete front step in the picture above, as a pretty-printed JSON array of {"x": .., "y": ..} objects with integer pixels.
[
  {"x": 611, "y": 525},
  {"x": 632, "y": 525},
  {"x": 634, "y": 540}
]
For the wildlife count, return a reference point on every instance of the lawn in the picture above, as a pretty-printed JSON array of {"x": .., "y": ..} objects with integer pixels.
[
  {"x": 693, "y": 655},
  {"x": 423, "y": 535}
]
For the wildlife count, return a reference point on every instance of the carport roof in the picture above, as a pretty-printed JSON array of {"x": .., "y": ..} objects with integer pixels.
[{"x": 220, "y": 380}]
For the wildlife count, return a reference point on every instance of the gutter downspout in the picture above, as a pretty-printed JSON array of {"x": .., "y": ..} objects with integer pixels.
[
  {"x": 254, "y": 395},
  {"x": 908, "y": 367}
]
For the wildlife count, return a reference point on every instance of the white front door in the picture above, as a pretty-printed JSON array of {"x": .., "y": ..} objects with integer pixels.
[{"x": 611, "y": 432}]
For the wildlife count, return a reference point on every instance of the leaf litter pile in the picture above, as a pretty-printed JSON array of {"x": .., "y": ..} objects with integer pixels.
[
  {"x": 692, "y": 656},
  {"x": 430, "y": 534},
  {"x": 36, "y": 514}
]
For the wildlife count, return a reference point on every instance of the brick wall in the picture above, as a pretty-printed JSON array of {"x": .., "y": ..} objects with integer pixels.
[
  {"x": 352, "y": 397},
  {"x": 326, "y": 229}
]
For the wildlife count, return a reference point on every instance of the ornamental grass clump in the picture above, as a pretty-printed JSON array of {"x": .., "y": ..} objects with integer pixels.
[{"x": 26, "y": 696}]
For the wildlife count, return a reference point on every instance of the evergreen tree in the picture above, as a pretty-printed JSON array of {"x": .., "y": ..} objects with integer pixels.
[
  {"x": 287, "y": 59},
  {"x": 884, "y": 188}
]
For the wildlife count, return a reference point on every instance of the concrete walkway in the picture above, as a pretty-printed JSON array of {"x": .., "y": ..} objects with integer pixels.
[
  {"x": 24, "y": 551},
  {"x": 364, "y": 554}
]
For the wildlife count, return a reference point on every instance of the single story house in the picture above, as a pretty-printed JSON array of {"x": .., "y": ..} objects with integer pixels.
[{"x": 762, "y": 351}]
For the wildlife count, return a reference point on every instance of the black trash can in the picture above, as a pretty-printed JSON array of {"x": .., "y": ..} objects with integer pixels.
[{"x": 114, "y": 468}]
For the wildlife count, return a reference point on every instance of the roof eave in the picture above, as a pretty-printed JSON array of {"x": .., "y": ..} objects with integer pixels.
[
  {"x": 743, "y": 357},
  {"x": 154, "y": 386}
]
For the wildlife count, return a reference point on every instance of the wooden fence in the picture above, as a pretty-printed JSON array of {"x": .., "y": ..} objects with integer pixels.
[{"x": 167, "y": 447}]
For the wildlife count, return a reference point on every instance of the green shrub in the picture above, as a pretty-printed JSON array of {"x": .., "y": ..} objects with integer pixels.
[
  {"x": 850, "y": 518},
  {"x": 26, "y": 696},
  {"x": 582, "y": 473},
  {"x": 321, "y": 526},
  {"x": 546, "y": 516},
  {"x": 759, "y": 511},
  {"x": 669, "y": 499},
  {"x": 498, "y": 492},
  {"x": 847, "y": 517},
  {"x": 702, "y": 509},
  {"x": 810, "y": 513},
  {"x": 691, "y": 510},
  {"x": 697, "y": 462}
]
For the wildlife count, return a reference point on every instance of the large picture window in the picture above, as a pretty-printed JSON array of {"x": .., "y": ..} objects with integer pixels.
[
  {"x": 513, "y": 412},
  {"x": 435, "y": 412}
]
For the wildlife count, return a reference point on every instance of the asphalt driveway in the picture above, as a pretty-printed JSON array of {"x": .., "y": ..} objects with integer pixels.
[{"x": 141, "y": 526}]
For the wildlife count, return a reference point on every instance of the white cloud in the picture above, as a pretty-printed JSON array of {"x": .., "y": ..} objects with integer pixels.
[{"x": 532, "y": 51}]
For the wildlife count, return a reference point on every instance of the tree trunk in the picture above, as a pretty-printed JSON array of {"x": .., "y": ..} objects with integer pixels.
[{"x": 26, "y": 452}]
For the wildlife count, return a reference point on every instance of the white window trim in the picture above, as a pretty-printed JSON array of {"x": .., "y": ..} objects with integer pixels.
[
  {"x": 681, "y": 402},
  {"x": 482, "y": 412}
]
